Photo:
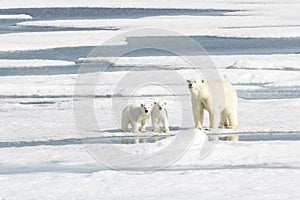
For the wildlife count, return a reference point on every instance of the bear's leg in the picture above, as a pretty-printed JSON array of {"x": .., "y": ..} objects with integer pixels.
[
  {"x": 232, "y": 114},
  {"x": 135, "y": 127},
  {"x": 214, "y": 118},
  {"x": 226, "y": 123},
  {"x": 201, "y": 113},
  {"x": 155, "y": 124},
  {"x": 233, "y": 122},
  {"x": 143, "y": 125},
  {"x": 165, "y": 126},
  {"x": 223, "y": 119},
  {"x": 125, "y": 123},
  {"x": 211, "y": 120},
  {"x": 196, "y": 113}
]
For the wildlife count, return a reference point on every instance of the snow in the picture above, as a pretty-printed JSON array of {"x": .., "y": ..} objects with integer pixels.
[
  {"x": 226, "y": 173},
  {"x": 231, "y": 26},
  {"x": 33, "y": 63},
  {"x": 20, "y": 16},
  {"x": 206, "y": 4},
  {"x": 63, "y": 85},
  {"x": 266, "y": 62},
  {"x": 118, "y": 3},
  {"x": 148, "y": 186},
  {"x": 272, "y": 154},
  {"x": 237, "y": 69},
  {"x": 58, "y": 121},
  {"x": 42, "y": 155},
  {"x": 46, "y": 40}
]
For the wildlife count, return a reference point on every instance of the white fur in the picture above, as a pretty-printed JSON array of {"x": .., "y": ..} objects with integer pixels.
[
  {"x": 159, "y": 115},
  {"x": 219, "y": 98},
  {"x": 136, "y": 116}
]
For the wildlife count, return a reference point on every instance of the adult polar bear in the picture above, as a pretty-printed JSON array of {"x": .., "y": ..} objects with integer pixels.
[{"x": 219, "y": 98}]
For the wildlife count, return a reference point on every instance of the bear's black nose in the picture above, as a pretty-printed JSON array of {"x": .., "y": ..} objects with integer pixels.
[
  {"x": 160, "y": 108},
  {"x": 146, "y": 111},
  {"x": 190, "y": 85}
]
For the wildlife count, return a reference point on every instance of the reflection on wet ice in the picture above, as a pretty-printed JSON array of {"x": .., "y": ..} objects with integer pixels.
[{"x": 141, "y": 140}]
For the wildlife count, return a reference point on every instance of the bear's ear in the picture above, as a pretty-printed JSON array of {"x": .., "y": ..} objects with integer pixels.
[
  {"x": 202, "y": 81},
  {"x": 142, "y": 105}
]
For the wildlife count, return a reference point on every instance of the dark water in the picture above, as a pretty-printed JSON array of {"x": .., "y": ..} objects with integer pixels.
[
  {"x": 136, "y": 140},
  {"x": 108, "y": 13},
  {"x": 150, "y": 139},
  {"x": 10, "y": 25},
  {"x": 73, "y": 141},
  {"x": 270, "y": 93},
  {"x": 213, "y": 46}
]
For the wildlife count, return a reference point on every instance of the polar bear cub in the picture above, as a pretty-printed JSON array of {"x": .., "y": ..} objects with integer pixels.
[
  {"x": 159, "y": 115},
  {"x": 219, "y": 98},
  {"x": 137, "y": 116}
]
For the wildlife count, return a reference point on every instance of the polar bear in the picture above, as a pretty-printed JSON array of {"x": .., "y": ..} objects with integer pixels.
[
  {"x": 159, "y": 115},
  {"x": 219, "y": 98},
  {"x": 136, "y": 115}
]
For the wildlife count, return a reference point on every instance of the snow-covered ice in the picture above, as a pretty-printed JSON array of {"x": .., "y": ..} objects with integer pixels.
[
  {"x": 46, "y": 40},
  {"x": 233, "y": 26},
  {"x": 260, "y": 170},
  {"x": 267, "y": 62},
  {"x": 20, "y": 16},
  {"x": 33, "y": 63},
  {"x": 41, "y": 150}
]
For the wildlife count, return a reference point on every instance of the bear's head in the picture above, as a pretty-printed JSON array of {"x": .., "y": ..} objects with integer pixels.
[
  {"x": 195, "y": 83},
  {"x": 147, "y": 107},
  {"x": 160, "y": 105}
]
